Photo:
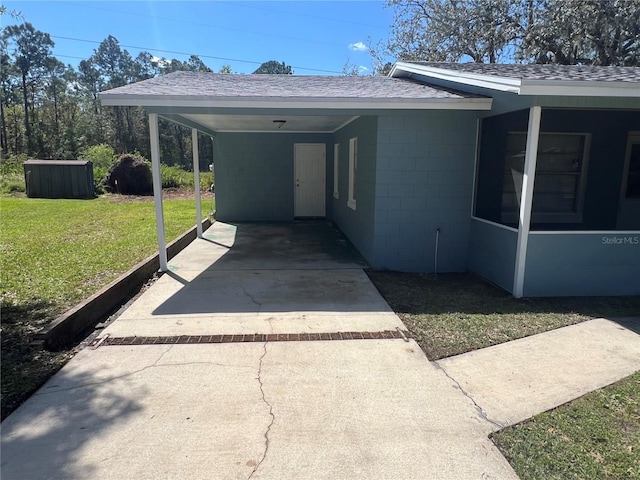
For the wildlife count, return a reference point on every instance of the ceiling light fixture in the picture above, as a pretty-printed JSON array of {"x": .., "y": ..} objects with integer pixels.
[{"x": 280, "y": 123}]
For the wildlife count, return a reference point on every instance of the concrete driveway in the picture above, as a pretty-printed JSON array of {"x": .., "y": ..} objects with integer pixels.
[{"x": 267, "y": 353}]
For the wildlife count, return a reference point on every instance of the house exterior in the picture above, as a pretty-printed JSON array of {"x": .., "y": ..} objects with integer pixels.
[{"x": 528, "y": 175}]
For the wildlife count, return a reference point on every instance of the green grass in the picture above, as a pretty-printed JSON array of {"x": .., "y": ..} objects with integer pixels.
[
  {"x": 594, "y": 437},
  {"x": 53, "y": 254},
  {"x": 456, "y": 313}
]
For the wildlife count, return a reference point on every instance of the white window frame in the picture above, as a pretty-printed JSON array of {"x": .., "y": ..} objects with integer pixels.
[
  {"x": 336, "y": 170},
  {"x": 560, "y": 217},
  {"x": 353, "y": 172}
]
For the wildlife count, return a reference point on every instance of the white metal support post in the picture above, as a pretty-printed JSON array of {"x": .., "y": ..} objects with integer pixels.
[
  {"x": 526, "y": 199},
  {"x": 196, "y": 180},
  {"x": 157, "y": 189}
]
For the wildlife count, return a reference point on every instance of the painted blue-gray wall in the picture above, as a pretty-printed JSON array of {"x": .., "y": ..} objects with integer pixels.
[
  {"x": 609, "y": 132},
  {"x": 585, "y": 264},
  {"x": 254, "y": 175},
  {"x": 358, "y": 224},
  {"x": 424, "y": 181},
  {"x": 492, "y": 253}
]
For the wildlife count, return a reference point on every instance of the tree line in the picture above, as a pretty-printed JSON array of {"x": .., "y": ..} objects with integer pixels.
[{"x": 50, "y": 110}]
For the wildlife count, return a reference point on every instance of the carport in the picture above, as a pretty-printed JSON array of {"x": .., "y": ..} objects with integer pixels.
[{"x": 301, "y": 115}]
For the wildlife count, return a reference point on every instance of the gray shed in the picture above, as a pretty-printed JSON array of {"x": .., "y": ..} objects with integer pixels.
[{"x": 59, "y": 179}]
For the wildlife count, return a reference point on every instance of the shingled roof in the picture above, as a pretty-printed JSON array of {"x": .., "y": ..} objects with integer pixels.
[
  {"x": 288, "y": 88},
  {"x": 585, "y": 73}
]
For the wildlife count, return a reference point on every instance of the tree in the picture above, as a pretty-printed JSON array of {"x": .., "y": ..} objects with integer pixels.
[
  {"x": 225, "y": 69},
  {"x": 275, "y": 68},
  {"x": 450, "y": 30},
  {"x": 32, "y": 53},
  {"x": 595, "y": 32}
]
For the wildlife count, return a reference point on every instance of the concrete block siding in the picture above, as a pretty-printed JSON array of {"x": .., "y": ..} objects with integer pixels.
[
  {"x": 358, "y": 224},
  {"x": 254, "y": 175},
  {"x": 424, "y": 179}
]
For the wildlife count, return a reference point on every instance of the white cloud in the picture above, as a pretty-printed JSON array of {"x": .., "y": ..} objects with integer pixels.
[
  {"x": 362, "y": 69},
  {"x": 358, "y": 47}
]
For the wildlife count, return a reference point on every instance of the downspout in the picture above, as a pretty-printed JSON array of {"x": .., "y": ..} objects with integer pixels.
[
  {"x": 196, "y": 180},
  {"x": 157, "y": 189}
]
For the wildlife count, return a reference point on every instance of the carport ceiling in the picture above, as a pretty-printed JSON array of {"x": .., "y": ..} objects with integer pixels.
[{"x": 265, "y": 123}]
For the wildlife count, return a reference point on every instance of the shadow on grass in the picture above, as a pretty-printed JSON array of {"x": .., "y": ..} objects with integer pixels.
[
  {"x": 450, "y": 314},
  {"x": 467, "y": 293},
  {"x": 25, "y": 367}
]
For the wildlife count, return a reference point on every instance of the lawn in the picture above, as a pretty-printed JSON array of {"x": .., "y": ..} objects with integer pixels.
[
  {"x": 54, "y": 253},
  {"x": 451, "y": 314},
  {"x": 592, "y": 438}
]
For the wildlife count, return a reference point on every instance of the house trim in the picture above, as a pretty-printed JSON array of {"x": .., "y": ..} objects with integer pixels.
[
  {"x": 253, "y": 103},
  {"x": 572, "y": 88}
]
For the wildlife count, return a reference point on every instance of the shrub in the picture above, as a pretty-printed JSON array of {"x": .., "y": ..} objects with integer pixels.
[
  {"x": 12, "y": 174},
  {"x": 129, "y": 175},
  {"x": 12, "y": 183},
  {"x": 100, "y": 155},
  {"x": 13, "y": 165},
  {"x": 176, "y": 177}
]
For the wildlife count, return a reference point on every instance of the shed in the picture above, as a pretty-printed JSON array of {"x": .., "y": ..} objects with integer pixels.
[{"x": 59, "y": 179}]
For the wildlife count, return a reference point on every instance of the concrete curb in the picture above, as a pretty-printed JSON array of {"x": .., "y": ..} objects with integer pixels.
[{"x": 62, "y": 331}]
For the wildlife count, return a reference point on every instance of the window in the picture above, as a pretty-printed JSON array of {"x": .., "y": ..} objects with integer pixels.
[
  {"x": 560, "y": 177},
  {"x": 336, "y": 170},
  {"x": 353, "y": 172}
]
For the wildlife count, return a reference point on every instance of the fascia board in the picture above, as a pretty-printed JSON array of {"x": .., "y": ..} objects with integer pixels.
[
  {"x": 279, "y": 102},
  {"x": 580, "y": 88},
  {"x": 503, "y": 84}
]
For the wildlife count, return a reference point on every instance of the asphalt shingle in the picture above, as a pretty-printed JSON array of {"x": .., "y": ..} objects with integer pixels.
[
  {"x": 202, "y": 84},
  {"x": 587, "y": 73}
]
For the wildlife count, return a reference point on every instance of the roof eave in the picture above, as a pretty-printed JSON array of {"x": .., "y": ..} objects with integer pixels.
[
  {"x": 130, "y": 100},
  {"x": 502, "y": 84},
  {"x": 580, "y": 88}
]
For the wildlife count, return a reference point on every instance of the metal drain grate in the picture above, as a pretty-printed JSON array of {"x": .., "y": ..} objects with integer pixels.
[{"x": 271, "y": 337}]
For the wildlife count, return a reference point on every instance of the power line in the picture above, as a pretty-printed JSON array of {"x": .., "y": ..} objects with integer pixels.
[
  {"x": 174, "y": 52},
  {"x": 220, "y": 27}
]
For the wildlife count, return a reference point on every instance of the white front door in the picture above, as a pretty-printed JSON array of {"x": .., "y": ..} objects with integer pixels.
[
  {"x": 629, "y": 210},
  {"x": 309, "y": 174}
]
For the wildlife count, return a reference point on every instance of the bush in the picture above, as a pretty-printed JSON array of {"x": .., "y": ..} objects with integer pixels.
[
  {"x": 13, "y": 165},
  {"x": 129, "y": 175},
  {"x": 12, "y": 174},
  {"x": 12, "y": 183},
  {"x": 176, "y": 177},
  {"x": 102, "y": 156}
]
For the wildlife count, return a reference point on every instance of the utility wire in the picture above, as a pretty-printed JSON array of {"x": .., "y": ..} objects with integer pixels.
[
  {"x": 220, "y": 27},
  {"x": 174, "y": 52}
]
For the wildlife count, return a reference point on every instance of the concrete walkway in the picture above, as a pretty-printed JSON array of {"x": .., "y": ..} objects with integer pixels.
[{"x": 263, "y": 397}]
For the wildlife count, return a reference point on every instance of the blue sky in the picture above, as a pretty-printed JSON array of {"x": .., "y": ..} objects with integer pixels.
[{"x": 317, "y": 37}]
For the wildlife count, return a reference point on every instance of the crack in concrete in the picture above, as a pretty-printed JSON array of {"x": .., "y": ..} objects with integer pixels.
[
  {"x": 140, "y": 370},
  {"x": 252, "y": 299},
  {"x": 481, "y": 413},
  {"x": 273, "y": 417}
]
